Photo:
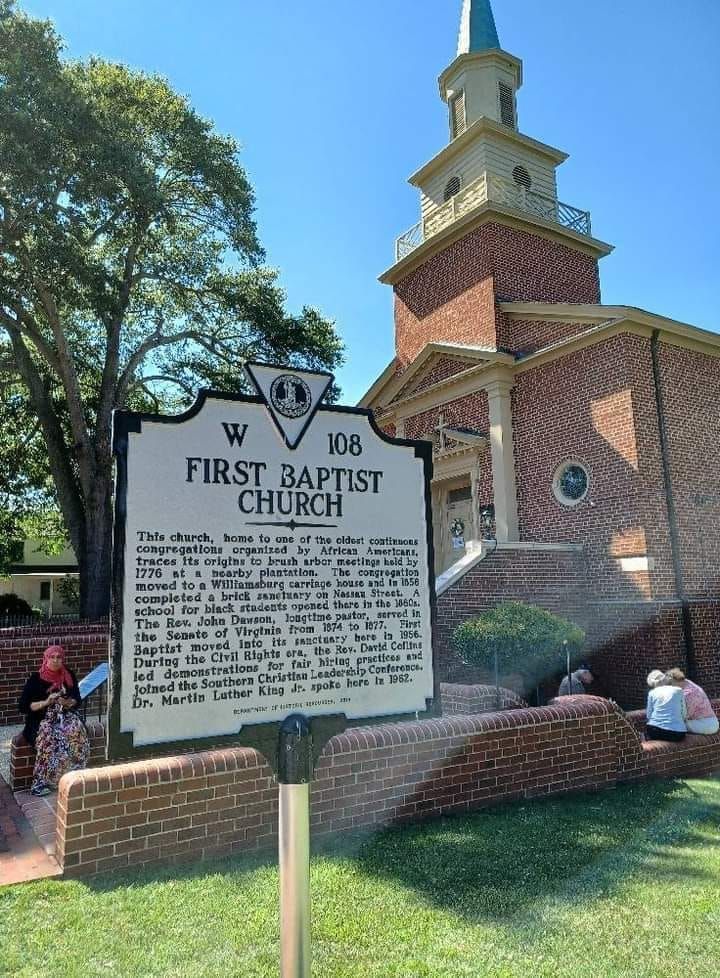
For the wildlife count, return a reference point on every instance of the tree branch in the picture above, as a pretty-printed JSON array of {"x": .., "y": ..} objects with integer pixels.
[
  {"x": 27, "y": 324},
  {"x": 67, "y": 373},
  {"x": 160, "y": 378},
  {"x": 153, "y": 342},
  {"x": 108, "y": 385}
]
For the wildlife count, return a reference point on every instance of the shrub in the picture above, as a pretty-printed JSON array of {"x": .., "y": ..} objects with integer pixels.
[
  {"x": 69, "y": 591},
  {"x": 13, "y": 606},
  {"x": 526, "y": 639}
]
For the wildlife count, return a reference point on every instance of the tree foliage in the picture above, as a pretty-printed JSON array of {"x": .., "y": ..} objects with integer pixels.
[
  {"x": 526, "y": 639},
  {"x": 130, "y": 268},
  {"x": 27, "y": 498}
]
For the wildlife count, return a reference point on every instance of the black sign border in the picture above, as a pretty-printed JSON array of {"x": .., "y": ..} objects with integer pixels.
[{"x": 263, "y": 737}]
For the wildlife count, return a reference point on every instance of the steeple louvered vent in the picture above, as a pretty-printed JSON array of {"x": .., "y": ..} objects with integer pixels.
[
  {"x": 458, "y": 121},
  {"x": 507, "y": 105},
  {"x": 452, "y": 187}
]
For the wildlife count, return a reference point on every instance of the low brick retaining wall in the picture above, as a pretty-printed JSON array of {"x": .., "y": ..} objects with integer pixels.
[
  {"x": 195, "y": 806},
  {"x": 453, "y": 700},
  {"x": 21, "y": 653},
  {"x": 220, "y": 802}
]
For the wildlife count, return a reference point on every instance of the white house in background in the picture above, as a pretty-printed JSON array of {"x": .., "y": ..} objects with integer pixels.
[{"x": 35, "y": 579}]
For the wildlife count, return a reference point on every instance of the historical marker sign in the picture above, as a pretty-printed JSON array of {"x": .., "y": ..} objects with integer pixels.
[{"x": 272, "y": 556}]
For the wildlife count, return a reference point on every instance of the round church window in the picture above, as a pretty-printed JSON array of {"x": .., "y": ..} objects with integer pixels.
[{"x": 571, "y": 483}]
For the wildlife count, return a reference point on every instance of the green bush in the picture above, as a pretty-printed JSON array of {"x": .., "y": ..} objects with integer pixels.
[
  {"x": 527, "y": 640},
  {"x": 69, "y": 590},
  {"x": 13, "y": 606}
]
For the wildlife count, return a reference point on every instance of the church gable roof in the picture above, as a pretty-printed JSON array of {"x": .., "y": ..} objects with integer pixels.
[
  {"x": 435, "y": 363},
  {"x": 437, "y": 367}
]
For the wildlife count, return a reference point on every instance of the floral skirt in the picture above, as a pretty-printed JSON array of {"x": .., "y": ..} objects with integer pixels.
[{"x": 62, "y": 745}]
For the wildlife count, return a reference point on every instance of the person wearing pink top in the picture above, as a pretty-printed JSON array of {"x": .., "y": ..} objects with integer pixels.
[{"x": 701, "y": 717}]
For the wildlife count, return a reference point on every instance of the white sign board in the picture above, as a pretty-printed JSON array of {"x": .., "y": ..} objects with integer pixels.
[{"x": 265, "y": 567}]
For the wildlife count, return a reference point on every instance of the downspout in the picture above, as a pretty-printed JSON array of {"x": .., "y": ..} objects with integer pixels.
[{"x": 686, "y": 619}]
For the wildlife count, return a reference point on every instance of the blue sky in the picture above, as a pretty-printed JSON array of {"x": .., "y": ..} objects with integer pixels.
[{"x": 336, "y": 102}]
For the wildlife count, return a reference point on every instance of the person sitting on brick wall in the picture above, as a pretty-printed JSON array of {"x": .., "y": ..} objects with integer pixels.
[
  {"x": 701, "y": 718},
  {"x": 579, "y": 679},
  {"x": 666, "y": 710},
  {"x": 49, "y": 700}
]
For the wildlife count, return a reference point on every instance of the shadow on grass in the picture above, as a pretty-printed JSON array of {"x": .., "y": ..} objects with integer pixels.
[{"x": 501, "y": 863}]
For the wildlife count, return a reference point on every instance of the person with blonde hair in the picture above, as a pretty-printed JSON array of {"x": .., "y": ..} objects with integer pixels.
[
  {"x": 701, "y": 718},
  {"x": 666, "y": 710}
]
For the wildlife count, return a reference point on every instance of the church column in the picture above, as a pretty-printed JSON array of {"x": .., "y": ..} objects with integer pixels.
[{"x": 503, "y": 460}]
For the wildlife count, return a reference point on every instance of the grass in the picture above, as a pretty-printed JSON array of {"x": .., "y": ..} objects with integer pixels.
[{"x": 624, "y": 884}]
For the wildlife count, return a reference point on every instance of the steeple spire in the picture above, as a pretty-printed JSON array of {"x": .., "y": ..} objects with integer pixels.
[{"x": 477, "y": 28}]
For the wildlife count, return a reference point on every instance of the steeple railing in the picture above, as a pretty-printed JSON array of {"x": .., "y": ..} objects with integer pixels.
[{"x": 486, "y": 189}]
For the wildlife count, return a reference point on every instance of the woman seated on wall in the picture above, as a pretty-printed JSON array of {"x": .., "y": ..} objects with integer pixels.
[
  {"x": 666, "y": 710},
  {"x": 52, "y": 726},
  {"x": 701, "y": 718}
]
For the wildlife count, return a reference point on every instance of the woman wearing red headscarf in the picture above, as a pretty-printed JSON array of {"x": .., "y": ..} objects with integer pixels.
[{"x": 49, "y": 701}]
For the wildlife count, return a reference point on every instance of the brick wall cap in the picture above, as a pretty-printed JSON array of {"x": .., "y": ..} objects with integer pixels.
[
  {"x": 72, "y": 784},
  {"x": 150, "y": 771},
  {"x": 385, "y": 735},
  {"x": 28, "y": 637}
]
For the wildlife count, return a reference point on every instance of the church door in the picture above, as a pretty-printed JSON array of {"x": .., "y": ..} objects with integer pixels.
[{"x": 455, "y": 528}]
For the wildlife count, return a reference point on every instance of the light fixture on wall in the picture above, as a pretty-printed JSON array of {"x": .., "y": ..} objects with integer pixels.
[{"x": 487, "y": 520}]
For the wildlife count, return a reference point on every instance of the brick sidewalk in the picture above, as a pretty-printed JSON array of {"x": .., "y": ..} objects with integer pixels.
[{"x": 22, "y": 854}]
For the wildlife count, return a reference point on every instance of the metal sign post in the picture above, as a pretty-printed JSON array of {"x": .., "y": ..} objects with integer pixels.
[{"x": 294, "y": 775}]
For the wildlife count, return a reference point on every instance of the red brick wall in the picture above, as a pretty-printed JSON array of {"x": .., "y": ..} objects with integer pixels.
[
  {"x": 43, "y": 628},
  {"x": 528, "y": 268},
  {"x": 470, "y": 411},
  {"x": 691, "y": 393},
  {"x": 218, "y": 802},
  {"x": 529, "y": 335},
  {"x": 705, "y": 618},
  {"x": 627, "y": 640},
  {"x": 21, "y": 653},
  {"x": 440, "y": 302},
  {"x": 440, "y": 368},
  {"x": 553, "y": 579},
  {"x": 456, "y": 698},
  {"x": 451, "y": 297},
  {"x": 215, "y": 803},
  {"x": 597, "y": 406}
]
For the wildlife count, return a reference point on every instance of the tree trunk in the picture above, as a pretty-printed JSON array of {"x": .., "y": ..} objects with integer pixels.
[{"x": 95, "y": 561}]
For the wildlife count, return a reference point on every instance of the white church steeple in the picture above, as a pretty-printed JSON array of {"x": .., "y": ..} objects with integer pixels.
[
  {"x": 489, "y": 171},
  {"x": 483, "y": 79}
]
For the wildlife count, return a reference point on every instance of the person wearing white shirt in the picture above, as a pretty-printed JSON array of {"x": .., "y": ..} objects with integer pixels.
[{"x": 666, "y": 711}]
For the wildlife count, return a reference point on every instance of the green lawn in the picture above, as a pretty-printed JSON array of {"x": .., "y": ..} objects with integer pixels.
[{"x": 624, "y": 884}]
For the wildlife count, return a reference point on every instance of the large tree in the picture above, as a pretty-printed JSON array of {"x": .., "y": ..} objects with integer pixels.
[{"x": 130, "y": 268}]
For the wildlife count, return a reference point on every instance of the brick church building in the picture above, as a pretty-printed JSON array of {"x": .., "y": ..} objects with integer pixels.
[{"x": 576, "y": 461}]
